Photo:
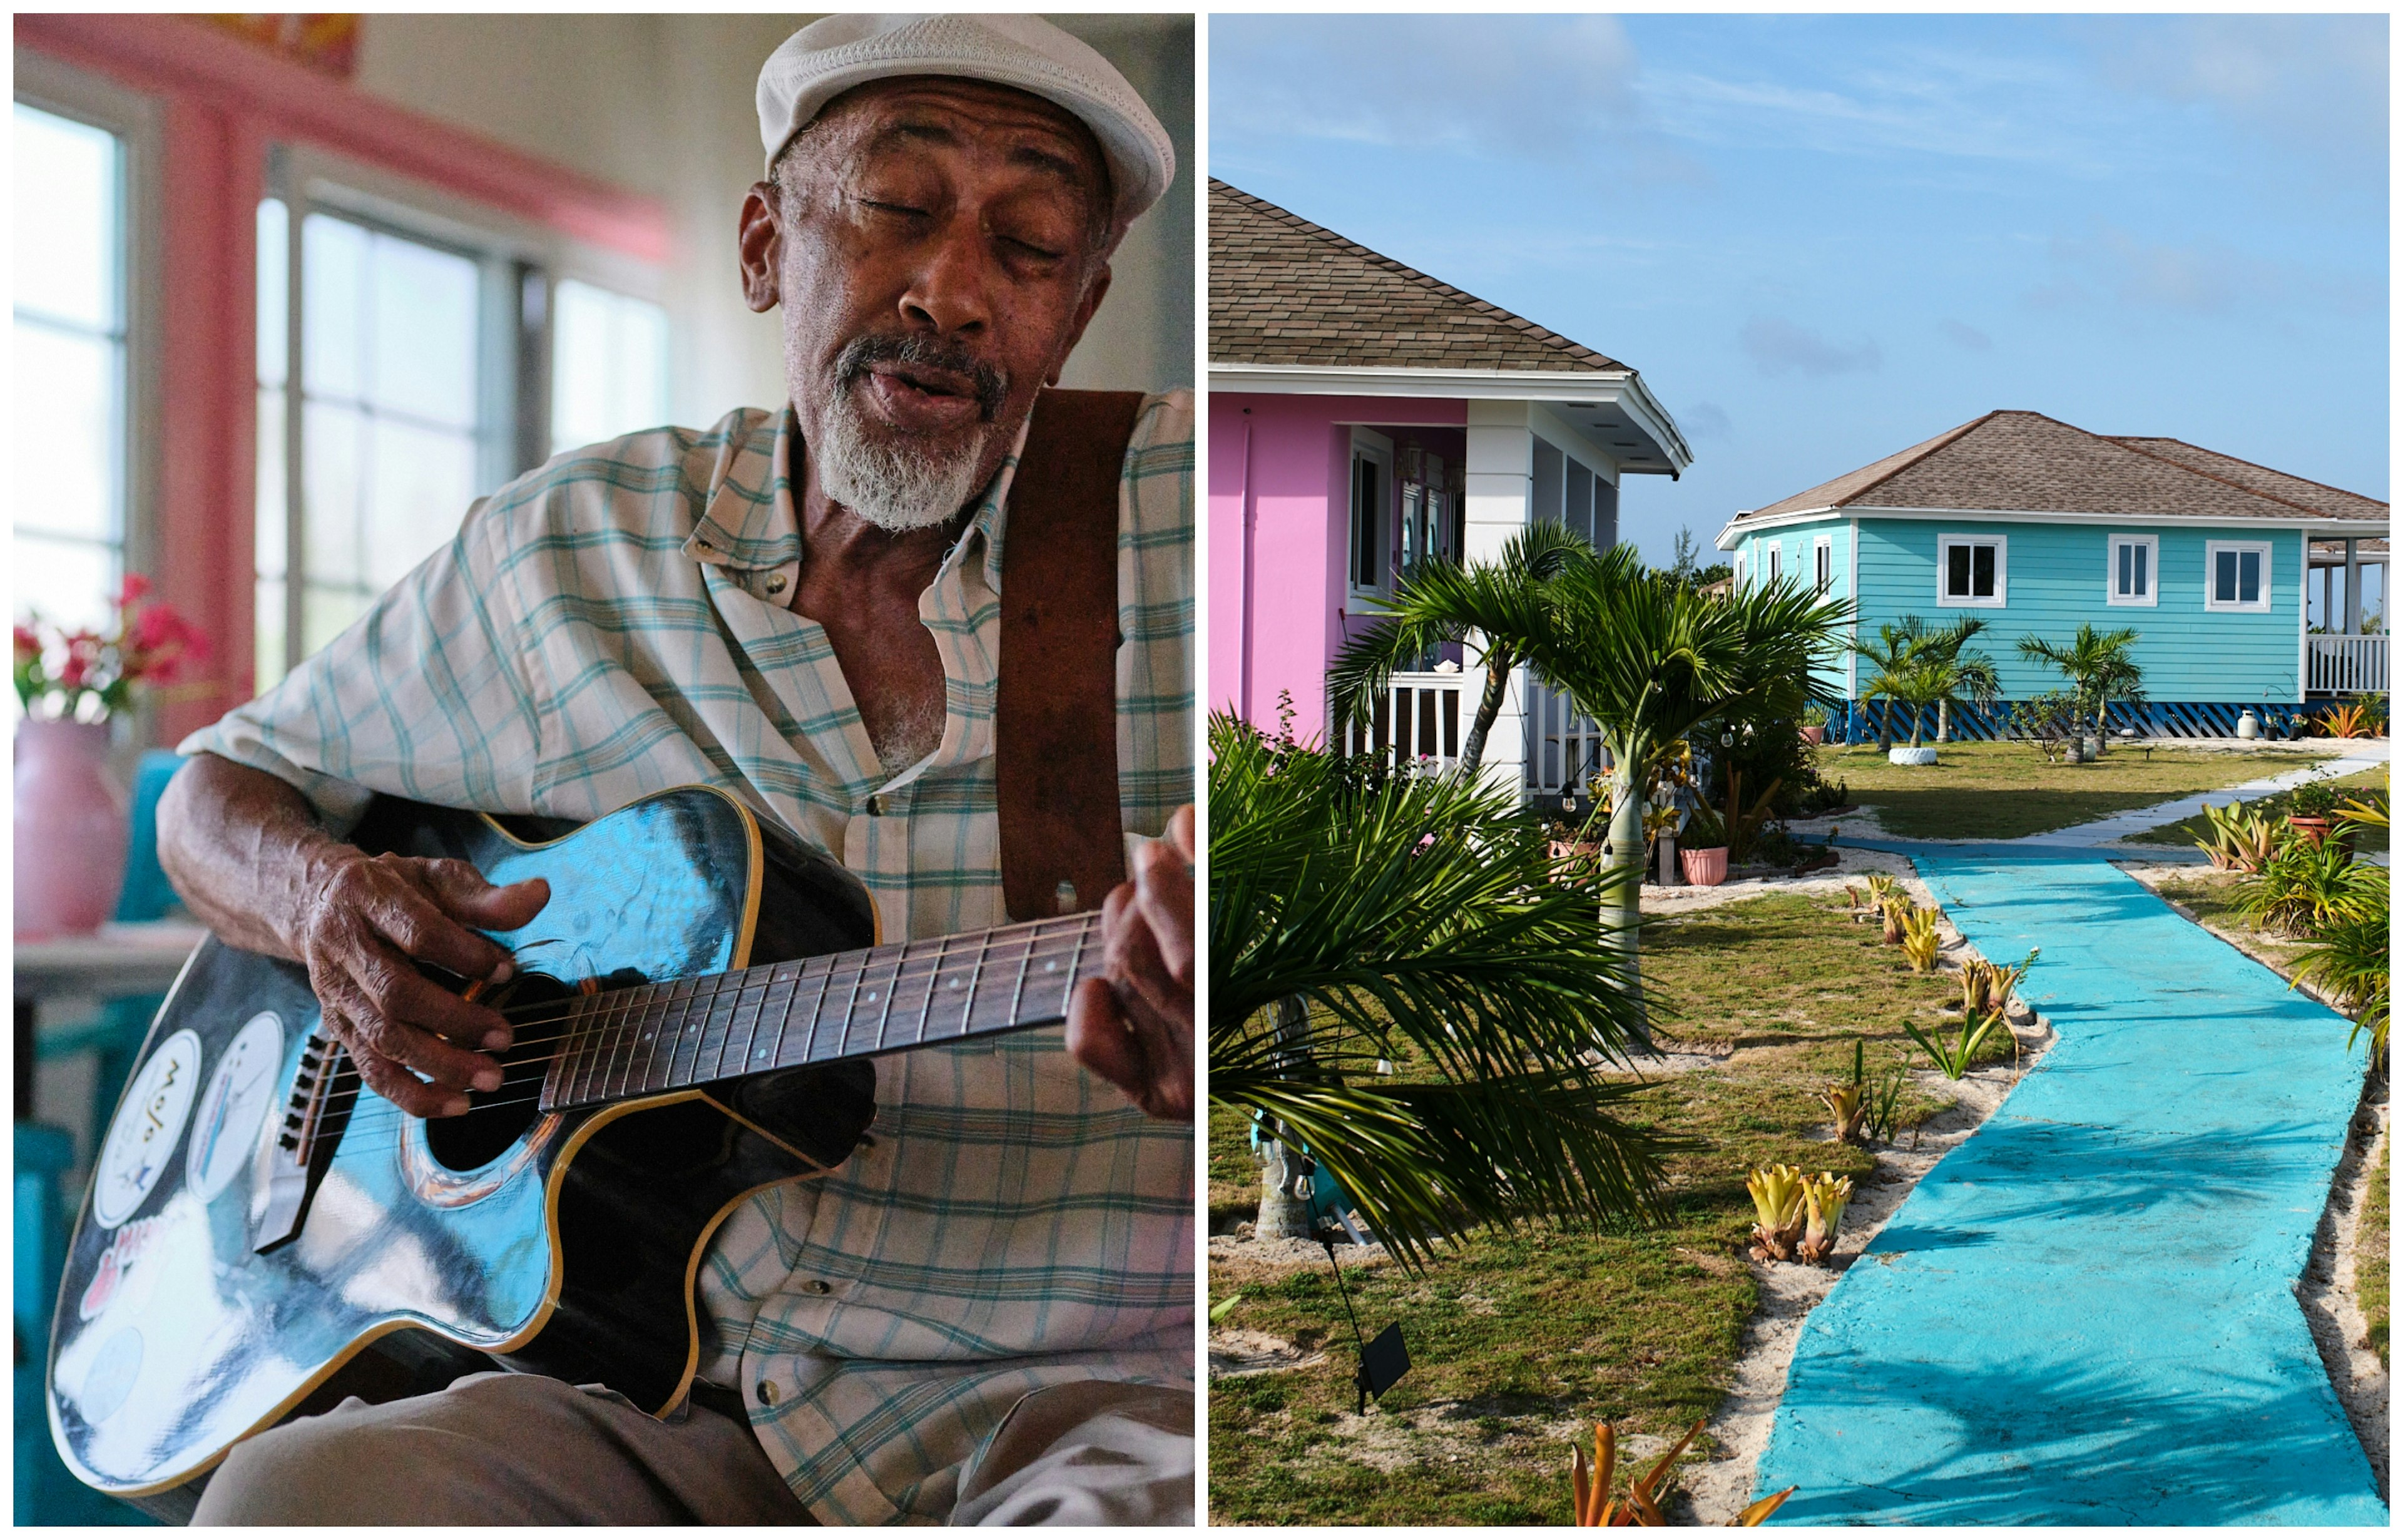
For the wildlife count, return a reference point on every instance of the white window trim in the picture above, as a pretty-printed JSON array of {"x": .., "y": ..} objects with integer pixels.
[
  {"x": 2151, "y": 597},
  {"x": 1823, "y": 554},
  {"x": 1743, "y": 570},
  {"x": 2211, "y": 549},
  {"x": 1774, "y": 570},
  {"x": 1944, "y": 543},
  {"x": 1367, "y": 444}
]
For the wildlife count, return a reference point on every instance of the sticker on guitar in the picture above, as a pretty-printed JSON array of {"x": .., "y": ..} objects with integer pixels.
[
  {"x": 240, "y": 1089},
  {"x": 142, "y": 1136},
  {"x": 115, "y": 1265}
]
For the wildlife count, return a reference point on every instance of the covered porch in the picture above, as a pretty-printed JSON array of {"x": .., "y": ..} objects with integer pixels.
[{"x": 2345, "y": 643}]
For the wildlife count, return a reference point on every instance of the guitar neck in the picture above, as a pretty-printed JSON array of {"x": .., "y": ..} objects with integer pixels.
[{"x": 661, "y": 1037}]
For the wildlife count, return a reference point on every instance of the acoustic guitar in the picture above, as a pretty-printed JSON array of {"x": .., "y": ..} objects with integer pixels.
[{"x": 693, "y": 1010}]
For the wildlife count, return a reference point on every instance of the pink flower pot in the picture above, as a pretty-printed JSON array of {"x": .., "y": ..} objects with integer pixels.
[
  {"x": 1814, "y": 735},
  {"x": 1704, "y": 868},
  {"x": 71, "y": 829}
]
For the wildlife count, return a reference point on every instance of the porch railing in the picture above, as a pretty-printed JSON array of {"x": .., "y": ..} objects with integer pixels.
[
  {"x": 2347, "y": 665},
  {"x": 1564, "y": 748},
  {"x": 1416, "y": 721}
]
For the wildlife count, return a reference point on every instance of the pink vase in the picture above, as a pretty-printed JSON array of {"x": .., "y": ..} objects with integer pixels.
[
  {"x": 1704, "y": 868},
  {"x": 71, "y": 829}
]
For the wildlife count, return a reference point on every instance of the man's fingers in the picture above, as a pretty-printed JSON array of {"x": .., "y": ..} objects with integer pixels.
[
  {"x": 388, "y": 1007},
  {"x": 395, "y": 1085},
  {"x": 1180, "y": 832},
  {"x": 1163, "y": 896},
  {"x": 467, "y": 897},
  {"x": 1098, "y": 1039},
  {"x": 414, "y": 922}
]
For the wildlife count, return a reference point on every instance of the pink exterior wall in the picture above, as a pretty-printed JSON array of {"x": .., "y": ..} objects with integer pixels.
[{"x": 1279, "y": 507}]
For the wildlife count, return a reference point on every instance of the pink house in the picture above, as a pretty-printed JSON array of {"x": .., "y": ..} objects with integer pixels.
[{"x": 1363, "y": 415}]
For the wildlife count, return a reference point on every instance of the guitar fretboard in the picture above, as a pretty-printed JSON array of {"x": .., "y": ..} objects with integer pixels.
[{"x": 659, "y": 1037}]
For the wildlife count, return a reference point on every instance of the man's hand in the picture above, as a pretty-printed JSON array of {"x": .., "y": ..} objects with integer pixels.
[
  {"x": 358, "y": 934},
  {"x": 249, "y": 859},
  {"x": 1135, "y": 1028}
]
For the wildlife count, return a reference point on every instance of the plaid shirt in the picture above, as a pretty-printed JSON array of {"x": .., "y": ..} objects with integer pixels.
[{"x": 607, "y": 627}]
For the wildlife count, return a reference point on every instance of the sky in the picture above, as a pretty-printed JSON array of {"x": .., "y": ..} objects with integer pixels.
[{"x": 1824, "y": 239}]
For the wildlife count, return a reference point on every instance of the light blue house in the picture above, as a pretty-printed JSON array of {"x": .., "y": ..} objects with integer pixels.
[{"x": 2037, "y": 526}]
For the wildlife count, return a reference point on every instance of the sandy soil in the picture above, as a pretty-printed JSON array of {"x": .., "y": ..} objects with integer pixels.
[{"x": 2330, "y": 1292}]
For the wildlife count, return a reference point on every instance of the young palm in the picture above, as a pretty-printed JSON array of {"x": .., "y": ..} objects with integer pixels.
[
  {"x": 1889, "y": 659},
  {"x": 1650, "y": 661},
  {"x": 1494, "y": 608},
  {"x": 2097, "y": 665},
  {"x": 1415, "y": 920}
]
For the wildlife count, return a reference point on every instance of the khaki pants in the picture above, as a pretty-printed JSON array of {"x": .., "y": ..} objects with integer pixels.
[{"x": 519, "y": 1448}]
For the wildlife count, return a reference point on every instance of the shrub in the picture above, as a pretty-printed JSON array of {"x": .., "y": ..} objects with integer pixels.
[
  {"x": 2311, "y": 800},
  {"x": 2306, "y": 887}
]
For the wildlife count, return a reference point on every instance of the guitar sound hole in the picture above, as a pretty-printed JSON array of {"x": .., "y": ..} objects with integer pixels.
[{"x": 496, "y": 1119}]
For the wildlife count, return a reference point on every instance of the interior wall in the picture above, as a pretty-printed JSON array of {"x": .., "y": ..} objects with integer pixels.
[{"x": 662, "y": 105}]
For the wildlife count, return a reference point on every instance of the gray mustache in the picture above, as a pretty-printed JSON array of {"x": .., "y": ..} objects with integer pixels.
[{"x": 990, "y": 385}]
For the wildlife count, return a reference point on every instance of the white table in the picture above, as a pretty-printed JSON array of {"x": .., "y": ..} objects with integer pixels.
[{"x": 116, "y": 959}]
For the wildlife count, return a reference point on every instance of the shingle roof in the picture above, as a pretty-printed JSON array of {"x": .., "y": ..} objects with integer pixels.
[
  {"x": 1285, "y": 291},
  {"x": 2026, "y": 462}
]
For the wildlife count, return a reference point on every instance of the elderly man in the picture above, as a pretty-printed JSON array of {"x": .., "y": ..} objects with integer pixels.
[{"x": 986, "y": 1312}]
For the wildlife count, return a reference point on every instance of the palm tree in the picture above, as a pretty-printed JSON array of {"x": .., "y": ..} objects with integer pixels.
[
  {"x": 1899, "y": 646},
  {"x": 1889, "y": 657},
  {"x": 1650, "y": 660},
  {"x": 1414, "y": 919},
  {"x": 2098, "y": 667},
  {"x": 1494, "y": 606}
]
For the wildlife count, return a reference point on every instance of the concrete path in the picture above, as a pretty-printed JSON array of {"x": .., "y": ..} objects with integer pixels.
[
  {"x": 2085, "y": 1315},
  {"x": 2367, "y": 755}
]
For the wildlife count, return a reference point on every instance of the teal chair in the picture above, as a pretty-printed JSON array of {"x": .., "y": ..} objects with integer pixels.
[{"x": 46, "y": 1492}]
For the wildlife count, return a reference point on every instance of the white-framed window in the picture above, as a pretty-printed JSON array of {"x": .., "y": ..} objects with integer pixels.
[
  {"x": 1970, "y": 571},
  {"x": 82, "y": 328},
  {"x": 1743, "y": 569},
  {"x": 1371, "y": 519},
  {"x": 2236, "y": 575},
  {"x": 414, "y": 354},
  {"x": 2134, "y": 575},
  {"x": 1823, "y": 563},
  {"x": 1776, "y": 563}
]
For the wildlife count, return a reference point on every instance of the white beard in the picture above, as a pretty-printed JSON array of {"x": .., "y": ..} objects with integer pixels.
[{"x": 895, "y": 487}]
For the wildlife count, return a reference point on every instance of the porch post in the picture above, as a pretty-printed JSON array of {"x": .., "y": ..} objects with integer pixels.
[
  {"x": 2351, "y": 587},
  {"x": 1499, "y": 472}
]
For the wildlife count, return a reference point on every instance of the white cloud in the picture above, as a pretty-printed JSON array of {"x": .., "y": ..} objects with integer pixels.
[
  {"x": 1964, "y": 335},
  {"x": 2200, "y": 278},
  {"x": 2316, "y": 83},
  {"x": 1778, "y": 347}
]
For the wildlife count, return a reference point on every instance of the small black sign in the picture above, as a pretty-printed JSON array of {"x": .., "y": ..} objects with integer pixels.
[{"x": 1382, "y": 1363}]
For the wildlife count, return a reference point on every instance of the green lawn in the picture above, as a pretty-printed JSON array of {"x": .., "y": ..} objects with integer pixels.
[
  {"x": 1517, "y": 1342},
  {"x": 2186, "y": 831},
  {"x": 2001, "y": 791},
  {"x": 2370, "y": 1253}
]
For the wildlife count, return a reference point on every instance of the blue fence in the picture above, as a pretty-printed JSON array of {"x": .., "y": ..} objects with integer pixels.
[{"x": 2154, "y": 719}]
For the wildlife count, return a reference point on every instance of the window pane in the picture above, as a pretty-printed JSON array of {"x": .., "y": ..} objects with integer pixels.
[
  {"x": 1983, "y": 566},
  {"x": 68, "y": 581},
  {"x": 268, "y": 528},
  {"x": 333, "y": 288},
  {"x": 67, "y": 403},
  {"x": 609, "y": 366},
  {"x": 331, "y": 546},
  {"x": 419, "y": 485},
  {"x": 423, "y": 303},
  {"x": 274, "y": 289},
  {"x": 2248, "y": 578},
  {"x": 1956, "y": 572},
  {"x": 2141, "y": 553},
  {"x": 325, "y": 613},
  {"x": 2127, "y": 569},
  {"x": 68, "y": 244},
  {"x": 2223, "y": 578},
  {"x": 269, "y": 666}
]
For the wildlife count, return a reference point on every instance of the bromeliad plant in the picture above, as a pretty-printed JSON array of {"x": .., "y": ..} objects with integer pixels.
[
  {"x": 1985, "y": 986},
  {"x": 2309, "y": 886},
  {"x": 1921, "y": 940},
  {"x": 1410, "y": 918},
  {"x": 1589, "y": 1486},
  {"x": 2238, "y": 838},
  {"x": 1823, "y": 1204},
  {"x": 1954, "y": 1053},
  {"x": 1848, "y": 1101},
  {"x": 1777, "y": 1202}
]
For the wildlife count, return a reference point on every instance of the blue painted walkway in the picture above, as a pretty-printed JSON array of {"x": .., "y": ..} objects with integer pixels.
[{"x": 2084, "y": 1315}]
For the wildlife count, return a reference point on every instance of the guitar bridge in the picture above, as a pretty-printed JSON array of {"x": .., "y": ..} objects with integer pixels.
[{"x": 322, "y": 1094}]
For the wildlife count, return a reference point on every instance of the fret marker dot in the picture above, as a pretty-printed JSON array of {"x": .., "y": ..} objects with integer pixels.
[
  {"x": 953, "y": 984},
  {"x": 1051, "y": 967},
  {"x": 871, "y": 997}
]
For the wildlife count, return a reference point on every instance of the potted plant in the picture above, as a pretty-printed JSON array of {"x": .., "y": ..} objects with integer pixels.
[
  {"x": 70, "y": 818},
  {"x": 1815, "y": 724},
  {"x": 2308, "y": 808},
  {"x": 1705, "y": 854}
]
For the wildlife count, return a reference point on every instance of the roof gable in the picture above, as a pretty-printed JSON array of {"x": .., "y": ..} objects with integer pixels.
[
  {"x": 1285, "y": 291},
  {"x": 2026, "y": 462}
]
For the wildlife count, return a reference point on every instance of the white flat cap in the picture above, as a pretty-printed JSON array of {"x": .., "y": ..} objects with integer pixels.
[{"x": 830, "y": 56}]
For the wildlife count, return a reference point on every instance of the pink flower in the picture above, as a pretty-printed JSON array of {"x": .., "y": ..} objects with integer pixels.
[
  {"x": 28, "y": 644},
  {"x": 136, "y": 587}
]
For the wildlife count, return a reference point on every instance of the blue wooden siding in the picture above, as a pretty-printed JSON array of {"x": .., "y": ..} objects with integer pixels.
[
  {"x": 2054, "y": 577},
  {"x": 1795, "y": 544}
]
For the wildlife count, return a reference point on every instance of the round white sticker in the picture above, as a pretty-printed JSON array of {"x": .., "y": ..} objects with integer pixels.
[
  {"x": 142, "y": 1136},
  {"x": 241, "y": 1088}
]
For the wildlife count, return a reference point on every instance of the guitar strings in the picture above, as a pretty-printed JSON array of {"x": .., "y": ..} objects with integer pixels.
[{"x": 356, "y": 1088}]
